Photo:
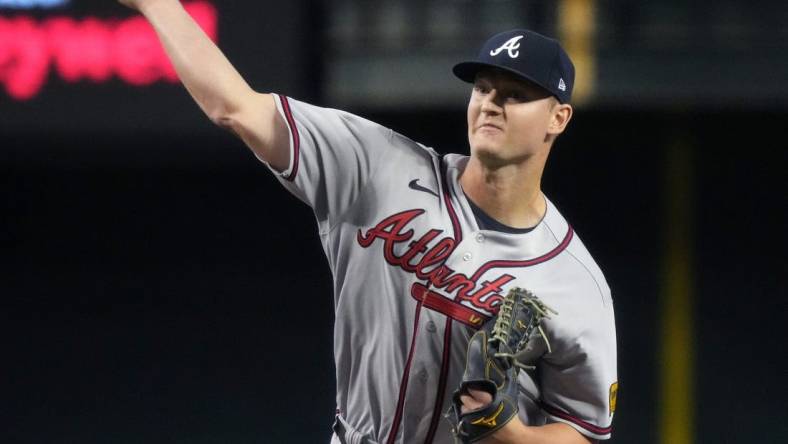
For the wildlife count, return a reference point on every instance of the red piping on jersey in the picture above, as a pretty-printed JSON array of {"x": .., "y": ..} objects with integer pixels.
[
  {"x": 437, "y": 412},
  {"x": 294, "y": 132},
  {"x": 586, "y": 425},
  {"x": 455, "y": 222},
  {"x": 403, "y": 386},
  {"x": 527, "y": 263}
]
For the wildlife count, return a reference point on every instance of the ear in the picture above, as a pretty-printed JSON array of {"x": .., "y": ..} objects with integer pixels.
[{"x": 561, "y": 114}]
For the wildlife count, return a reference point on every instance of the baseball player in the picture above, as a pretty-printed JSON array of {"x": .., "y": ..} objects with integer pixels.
[{"x": 422, "y": 248}]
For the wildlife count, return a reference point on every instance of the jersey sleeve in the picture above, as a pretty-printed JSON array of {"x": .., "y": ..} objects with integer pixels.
[
  {"x": 579, "y": 377},
  {"x": 332, "y": 155}
]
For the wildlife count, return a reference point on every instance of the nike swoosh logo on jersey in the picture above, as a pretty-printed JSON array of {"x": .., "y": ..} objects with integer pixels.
[{"x": 414, "y": 185}]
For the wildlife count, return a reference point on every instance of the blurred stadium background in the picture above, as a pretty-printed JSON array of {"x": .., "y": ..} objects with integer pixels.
[{"x": 157, "y": 285}]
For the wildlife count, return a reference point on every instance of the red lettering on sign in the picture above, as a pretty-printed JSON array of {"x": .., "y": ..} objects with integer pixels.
[
  {"x": 89, "y": 49},
  {"x": 24, "y": 59},
  {"x": 80, "y": 50}
]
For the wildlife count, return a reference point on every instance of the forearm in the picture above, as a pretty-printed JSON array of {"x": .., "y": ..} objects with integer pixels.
[
  {"x": 214, "y": 83},
  {"x": 206, "y": 73},
  {"x": 515, "y": 432}
]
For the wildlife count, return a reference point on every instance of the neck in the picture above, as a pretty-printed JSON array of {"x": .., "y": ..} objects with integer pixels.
[{"x": 510, "y": 194}]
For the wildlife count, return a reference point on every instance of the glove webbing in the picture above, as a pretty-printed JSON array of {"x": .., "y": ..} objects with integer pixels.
[{"x": 500, "y": 331}]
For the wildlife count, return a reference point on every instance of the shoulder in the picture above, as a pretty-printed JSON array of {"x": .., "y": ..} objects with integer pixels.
[
  {"x": 584, "y": 326},
  {"x": 358, "y": 126},
  {"x": 314, "y": 117},
  {"x": 411, "y": 148},
  {"x": 578, "y": 268}
]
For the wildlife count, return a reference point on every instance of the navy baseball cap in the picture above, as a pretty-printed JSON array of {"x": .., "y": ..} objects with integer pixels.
[{"x": 528, "y": 55}]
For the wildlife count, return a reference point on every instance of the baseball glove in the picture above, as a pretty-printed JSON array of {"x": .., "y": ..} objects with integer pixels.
[{"x": 492, "y": 365}]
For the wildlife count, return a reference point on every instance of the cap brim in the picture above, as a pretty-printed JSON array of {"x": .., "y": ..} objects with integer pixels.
[{"x": 466, "y": 71}]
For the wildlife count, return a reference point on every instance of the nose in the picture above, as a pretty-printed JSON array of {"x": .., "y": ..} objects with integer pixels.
[{"x": 491, "y": 103}]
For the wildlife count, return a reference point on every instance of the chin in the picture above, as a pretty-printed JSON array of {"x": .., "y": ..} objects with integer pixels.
[
  {"x": 486, "y": 145},
  {"x": 489, "y": 155},
  {"x": 495, "y": 155}
]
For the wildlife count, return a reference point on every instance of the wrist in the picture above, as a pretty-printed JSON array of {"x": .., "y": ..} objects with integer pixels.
[
  {"x": 148, "y": 7},
  {"x": 512, "y": 432}
]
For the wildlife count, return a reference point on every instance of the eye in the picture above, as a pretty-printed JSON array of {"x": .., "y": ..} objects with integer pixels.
[
  {"x": 481, "y": 88},
  {"x": 517, "y": 96}
]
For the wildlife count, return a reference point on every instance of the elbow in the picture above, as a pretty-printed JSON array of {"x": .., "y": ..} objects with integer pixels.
[
  {"x": 232, "y": 115},
  {"x": 236, "y": 123},
  {"x": 231, "y": 122},
  {"x": 222, "y": 118}
]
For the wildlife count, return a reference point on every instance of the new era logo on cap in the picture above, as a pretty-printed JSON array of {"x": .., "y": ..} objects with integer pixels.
[{"x": 527, "y": 55}]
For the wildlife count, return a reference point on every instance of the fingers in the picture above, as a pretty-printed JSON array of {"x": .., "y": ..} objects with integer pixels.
[{"x": 474, "y": 400}]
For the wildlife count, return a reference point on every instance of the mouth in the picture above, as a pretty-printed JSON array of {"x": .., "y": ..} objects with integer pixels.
[{"x": 489, "y": 127}]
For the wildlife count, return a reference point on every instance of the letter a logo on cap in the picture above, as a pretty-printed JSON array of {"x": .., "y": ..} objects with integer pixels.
[{"x": 512, "y": 45}]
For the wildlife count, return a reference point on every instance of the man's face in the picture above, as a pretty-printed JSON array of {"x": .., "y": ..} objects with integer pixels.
[{"x": 508, "y": 118}]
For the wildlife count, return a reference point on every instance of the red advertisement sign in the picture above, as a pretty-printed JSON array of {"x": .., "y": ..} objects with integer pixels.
[{"x": 90, "y": 49}]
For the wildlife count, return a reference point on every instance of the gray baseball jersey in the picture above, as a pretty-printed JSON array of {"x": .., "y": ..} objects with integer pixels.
[{"x": 414, "y": 276}]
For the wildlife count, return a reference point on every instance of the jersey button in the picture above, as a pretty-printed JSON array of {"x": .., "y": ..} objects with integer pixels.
[
  {"x": 467, "y": 256},
  {"x": 479, "y": 238},
  {"x": 431, "y": 327}
]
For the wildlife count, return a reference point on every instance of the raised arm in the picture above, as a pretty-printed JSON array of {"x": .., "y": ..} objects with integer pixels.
[{"x": 214, "y": 83}]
